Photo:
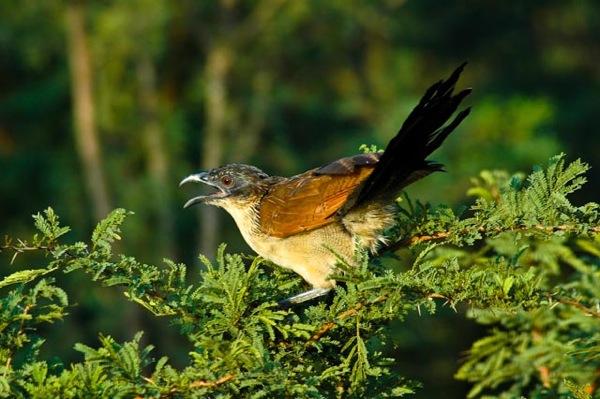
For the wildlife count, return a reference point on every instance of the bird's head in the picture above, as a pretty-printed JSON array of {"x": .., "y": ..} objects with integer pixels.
[{"x": 231, "y": 181}]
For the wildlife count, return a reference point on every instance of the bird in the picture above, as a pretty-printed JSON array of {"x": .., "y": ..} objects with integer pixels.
[{"x": 308, "y": 221}]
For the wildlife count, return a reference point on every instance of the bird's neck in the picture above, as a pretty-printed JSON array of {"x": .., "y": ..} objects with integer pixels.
[{"x": 244, "y": 208}]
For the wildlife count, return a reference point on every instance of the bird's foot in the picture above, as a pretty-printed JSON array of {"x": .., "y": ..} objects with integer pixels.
[{"x": 302, "y": 297}]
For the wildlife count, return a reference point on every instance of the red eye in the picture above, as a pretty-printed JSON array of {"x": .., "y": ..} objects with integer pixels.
[{"x": 226, "y": 181}]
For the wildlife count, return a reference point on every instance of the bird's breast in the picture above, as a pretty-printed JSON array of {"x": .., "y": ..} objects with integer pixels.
[{"x": 308, "y": 253}]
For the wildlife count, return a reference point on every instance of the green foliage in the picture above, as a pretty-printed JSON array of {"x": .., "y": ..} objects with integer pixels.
[
  {"x": 524, "y": 260},
  {"x": 154, "y": 105}
]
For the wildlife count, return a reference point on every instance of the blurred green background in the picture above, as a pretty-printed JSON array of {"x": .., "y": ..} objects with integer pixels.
[{"x": 109, "y": 104}]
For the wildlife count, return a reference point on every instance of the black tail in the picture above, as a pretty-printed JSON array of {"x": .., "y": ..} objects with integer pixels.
[{"x": 404, "y": 160}]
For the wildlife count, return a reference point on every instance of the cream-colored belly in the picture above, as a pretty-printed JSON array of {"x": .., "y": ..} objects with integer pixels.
[{"x": 308, "y": 254}]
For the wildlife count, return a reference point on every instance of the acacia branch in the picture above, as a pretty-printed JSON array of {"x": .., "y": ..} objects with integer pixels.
[
  {"x": 578, "y": 305},
  {"x": 213, "y": 384},
  {"x": 193, "y": 385},
  {"x": 350, "y": 312},
  {"x": 441, "y": 235},
  {"x": 21, "y": 332},
  {"x": 23, "y": 247},
  {"x": 150, "y": 293},
  {"x": 353, "y": 311}
]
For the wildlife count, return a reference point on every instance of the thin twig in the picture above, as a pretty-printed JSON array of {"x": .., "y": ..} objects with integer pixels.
[
  {"x": 200, "y": 384},
  {"x": 208, "y": 384},
  {"x": 21, "y": 331},
  {"x": 23, "y": 248},
  {"x": 578, "y": 305},
  {"x": 441, "y": 235},
  {"x": 350, "y": 312}
]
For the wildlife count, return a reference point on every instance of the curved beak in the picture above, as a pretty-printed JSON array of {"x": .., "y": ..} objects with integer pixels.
[
  {"x": 200, "y": 177},
  {"x": 196, "y": 200}
]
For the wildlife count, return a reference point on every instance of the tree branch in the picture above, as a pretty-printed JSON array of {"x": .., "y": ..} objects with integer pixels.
[
  {"x": 208, "y": 384},
  {"x": 441, "y": 235},
  {"x": 350, "y": 312},
  {"x": 576, "y": 304}
]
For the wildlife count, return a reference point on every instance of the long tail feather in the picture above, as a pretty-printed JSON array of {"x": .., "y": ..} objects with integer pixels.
[{"x": 404, "y": 159}]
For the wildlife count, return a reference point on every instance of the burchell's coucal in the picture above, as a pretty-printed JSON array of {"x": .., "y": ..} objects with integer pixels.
[{"x": 303, "y": 222}]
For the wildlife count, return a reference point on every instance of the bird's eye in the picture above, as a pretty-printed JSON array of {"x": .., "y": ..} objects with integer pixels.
[{"x": 226, "y": 181}]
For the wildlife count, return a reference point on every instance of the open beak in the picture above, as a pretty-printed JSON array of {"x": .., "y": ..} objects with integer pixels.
[{"x": 200, "y": 177}]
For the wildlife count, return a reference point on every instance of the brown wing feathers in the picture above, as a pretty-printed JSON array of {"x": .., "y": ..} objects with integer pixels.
[{"x": 309, "y": 200}]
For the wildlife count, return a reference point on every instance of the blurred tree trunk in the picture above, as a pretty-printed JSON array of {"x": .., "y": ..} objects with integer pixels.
[
  {"x": 156, "y": 154},
  {"x": 231, "y": 120},
  {"x": 218, "y": 63},
  {"x": 86, "y": 135},
  {"x": 251, "y": 127}
]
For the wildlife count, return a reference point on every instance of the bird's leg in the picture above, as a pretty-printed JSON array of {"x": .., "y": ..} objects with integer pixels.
[{"x": 303, "y": 297}]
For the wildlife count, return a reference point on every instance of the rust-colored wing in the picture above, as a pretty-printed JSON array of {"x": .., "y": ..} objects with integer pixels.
[{"x": 311, "y": 199}]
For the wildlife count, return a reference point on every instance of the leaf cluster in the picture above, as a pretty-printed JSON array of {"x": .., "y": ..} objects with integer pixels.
[{"x": 523, "y": 260}]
